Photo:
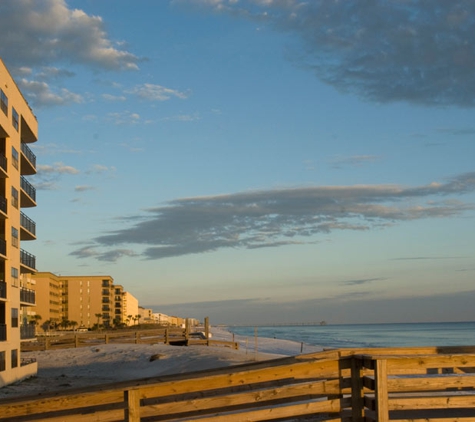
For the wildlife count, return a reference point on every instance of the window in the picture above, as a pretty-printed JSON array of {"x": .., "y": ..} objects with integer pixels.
[
  {"x": 15, "y": 119},
  {"x": 14, "y": 197},
  {"x": 14, "y": 276},
  {"x": 14, "y": 358},
  {"x": 15, "y": 157},
  {"x": 14, "y": 317},
  {"x": 2, "y": 361},
  {"x": 14, "y": 237},
  {"x": 4, "y": 102}
]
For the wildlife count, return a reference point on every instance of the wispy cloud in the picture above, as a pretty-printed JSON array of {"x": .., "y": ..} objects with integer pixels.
[
  {"x": 41, "y": 94},
  {"x": 387, "y": 51},
  {"x": 124, "y": 118},
  {"x": 156, "y": 92},
  {"x": 284, "y": 216},
  {"x": 48, "y": 175},
  {"x": 361, "y": 281},
  {"x": 353, "y": 160},
  {"x": 83, "y": 188}
]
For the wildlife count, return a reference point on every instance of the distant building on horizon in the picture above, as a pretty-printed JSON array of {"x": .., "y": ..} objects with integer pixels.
[{"x": 18, "y": 128}]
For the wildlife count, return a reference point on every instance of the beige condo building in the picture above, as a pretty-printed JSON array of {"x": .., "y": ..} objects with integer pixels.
[
  {"x": 18, "y": 128},
  {"x": 84, "y": 301}
]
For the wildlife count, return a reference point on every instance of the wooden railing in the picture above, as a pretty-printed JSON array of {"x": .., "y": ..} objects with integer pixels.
[
  {"x": 177, "y": 336},
  {"x": 423, "y": 384}
]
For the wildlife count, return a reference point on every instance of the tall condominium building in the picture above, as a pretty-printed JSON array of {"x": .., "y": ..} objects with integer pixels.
[
  {"x": 88, "y": 300},
  {"x": 84, "y": 300},
  {"x": 18, "y": 128}
]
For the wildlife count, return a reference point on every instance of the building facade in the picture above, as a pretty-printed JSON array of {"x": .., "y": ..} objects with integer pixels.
[{"x": 18, "y": 128}]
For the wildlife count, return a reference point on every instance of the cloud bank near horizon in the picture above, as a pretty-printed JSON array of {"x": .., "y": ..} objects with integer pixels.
[
  {"x": 387, "y": 51},
  {"x": 278, "y": 217}
]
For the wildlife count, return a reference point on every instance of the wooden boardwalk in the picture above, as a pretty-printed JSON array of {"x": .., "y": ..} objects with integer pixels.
[{"x": 427, "y": 384}]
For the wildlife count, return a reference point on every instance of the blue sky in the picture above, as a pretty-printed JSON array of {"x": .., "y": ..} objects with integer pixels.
[{"x": 255, "y": 160}]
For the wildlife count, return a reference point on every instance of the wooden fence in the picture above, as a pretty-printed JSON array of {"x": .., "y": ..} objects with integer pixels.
[
  {"x": 410, "y": 384},
  {"x": 174, "y": 336}
]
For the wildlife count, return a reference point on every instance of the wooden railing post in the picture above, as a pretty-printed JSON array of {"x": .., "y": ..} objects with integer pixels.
[
  {"x": 106, "y": 338},
  {"x": 357, "y": 395},
  {"x": 47, "y": 344},
  {"x": 207, "y": 328},
  {"x": 381, "y": 393},
  {"x": 76, "y": 341},
  {"x": 137, "y": 337},
  {"x": 132, "y": 401},
  {"x": 166, "y": 336}
]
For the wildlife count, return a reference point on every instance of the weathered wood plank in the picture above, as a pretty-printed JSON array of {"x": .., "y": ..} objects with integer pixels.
[
  {"x": 381, "y": 379},
  {"x": 132, "y": 411},
  {"x": 300, "y": 370},
  {"x": 432, "y": 402},
  {"x": 432, "y": 383},
  {"x": 278, "y": 412},
  {"x": 260, "y": 397}
]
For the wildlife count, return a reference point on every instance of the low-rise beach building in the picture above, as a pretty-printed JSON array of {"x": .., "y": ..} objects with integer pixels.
[{"x": 18, "y": 128}]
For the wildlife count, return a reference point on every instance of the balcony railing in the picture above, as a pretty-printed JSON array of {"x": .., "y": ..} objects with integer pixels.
[
  {"x": 3, "y": 204},
  {"x": 27, "y": 296},
  {"x": 3, "y": 332},
  {"x": 3, "y": 290},
  {"x": 28, "y": 154},
  {"x": 28, "y": 188},
  {"x": 27, "y": 331},
  {"x": 3, "y": 162},
  {"x": 27, "y": 223},
  {"x": 27, "y": 259}
]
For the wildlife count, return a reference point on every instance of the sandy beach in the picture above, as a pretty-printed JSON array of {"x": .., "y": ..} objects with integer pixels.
[{"x": 101, "y": 364}]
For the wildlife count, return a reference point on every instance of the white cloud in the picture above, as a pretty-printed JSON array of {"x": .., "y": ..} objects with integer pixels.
[
  {"x": 46, "y": 31},
  {"x": 40, "y": 94},
  {"x": 156, "y": 92}
]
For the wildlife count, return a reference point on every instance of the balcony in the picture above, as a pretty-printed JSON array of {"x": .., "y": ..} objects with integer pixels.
[
  {"x": 106, "y": 308},
  {"x": 3, "y": 332},
  {"x": 28, "y": 160},
  {"x": 3, "y": 248},
  {"x": 3, "y": 290},
  {"x": 28, "y": 194},
  {"x": 28, "y": 261},
  {"x": 27, "y": 228},
  {"x": 27, "y": 331},
  {"x": 3, "y": 166},
  {"x": 27, "y": 296},
  {"x": 3, "y": 207}
]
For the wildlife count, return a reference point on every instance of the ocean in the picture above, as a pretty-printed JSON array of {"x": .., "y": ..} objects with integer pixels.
[{"x": 369, "y": 335}]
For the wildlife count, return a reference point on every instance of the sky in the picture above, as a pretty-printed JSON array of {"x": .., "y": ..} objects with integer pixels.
[{"x": 255, "y": 161}]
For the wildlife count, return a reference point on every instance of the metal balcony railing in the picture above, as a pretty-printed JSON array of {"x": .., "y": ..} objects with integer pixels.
[
  {"x": 27, "y": 361},
  {"x": 3, "y": 162},
  {"x": 27, "y": 331},
  {"x": 3, "y": 290},
  {"x": 3, "y": 204},
  {"x": 27, "y": 259},
  {"x": 27, "y": 223},
  {"x": 28, "y": 188},
  {"x": 3, "y": 332},
  {"x": 28, "y": 154},
  {"x": 27, "y": 296}
]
